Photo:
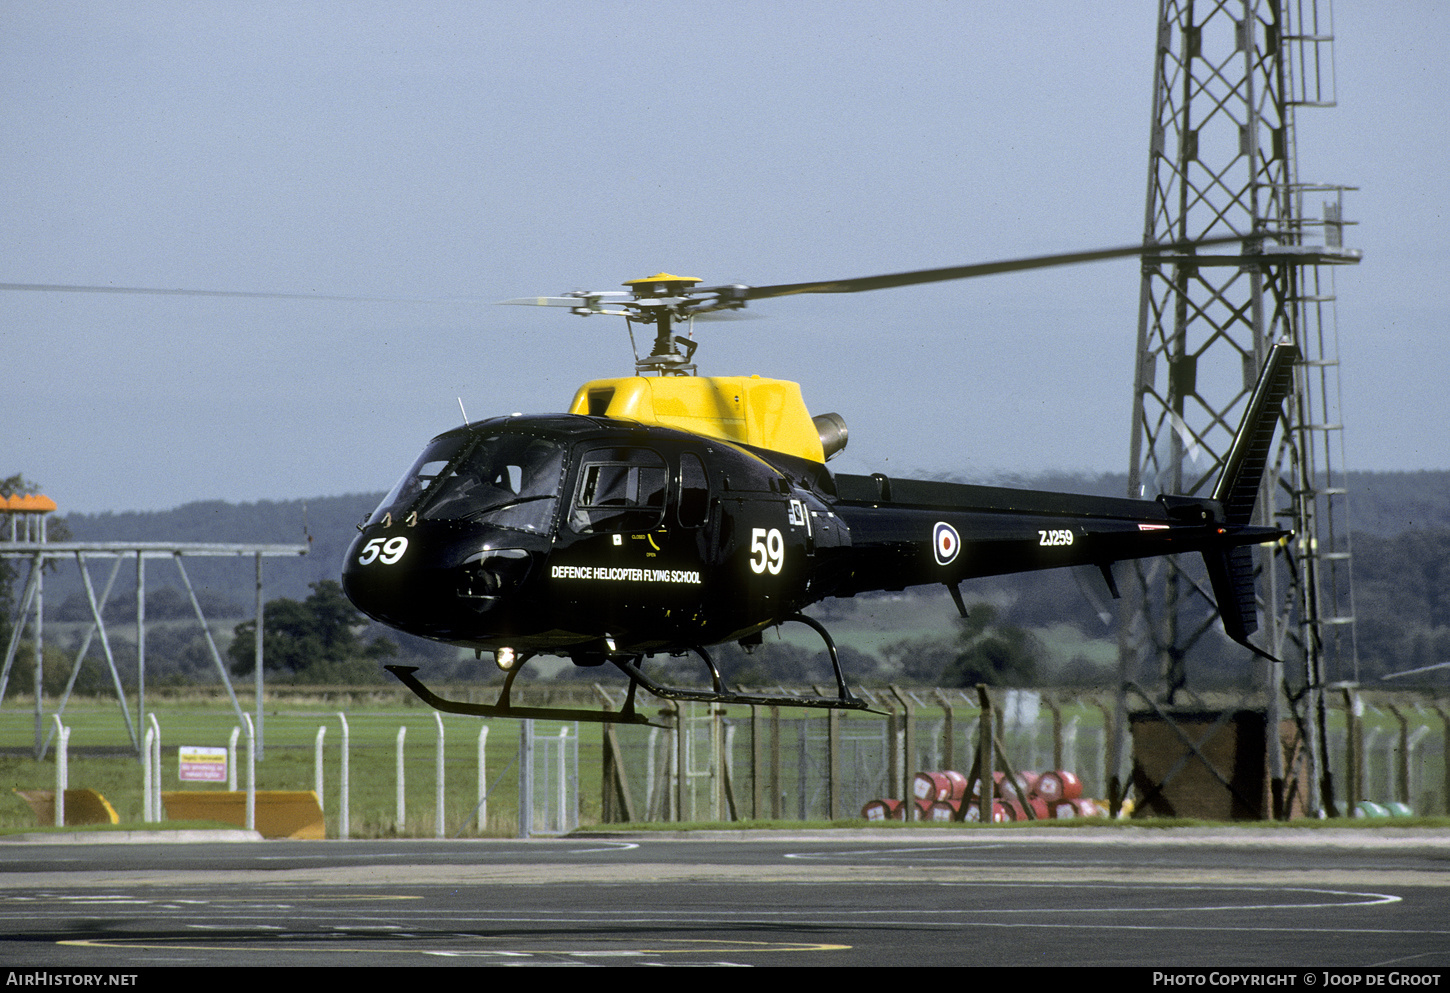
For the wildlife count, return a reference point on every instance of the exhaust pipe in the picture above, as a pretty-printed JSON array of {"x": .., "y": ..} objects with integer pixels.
[{"x": 832, "y": 431}]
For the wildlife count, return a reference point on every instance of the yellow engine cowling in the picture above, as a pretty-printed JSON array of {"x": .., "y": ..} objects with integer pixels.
[{"x": 750, "y": 410}]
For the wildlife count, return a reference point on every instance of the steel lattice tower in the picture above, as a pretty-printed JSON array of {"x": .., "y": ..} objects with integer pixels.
[{"x": 1228, "y": 76}]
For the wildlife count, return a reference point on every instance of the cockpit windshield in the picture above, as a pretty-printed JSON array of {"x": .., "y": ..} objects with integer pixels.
[{"x": 507, "y": 479}]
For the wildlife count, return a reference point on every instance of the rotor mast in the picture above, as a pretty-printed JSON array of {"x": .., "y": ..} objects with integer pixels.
[{"x": 656, "y": 298}]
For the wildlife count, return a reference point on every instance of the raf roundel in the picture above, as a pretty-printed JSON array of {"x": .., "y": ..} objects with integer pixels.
[{"x": 945, "y": 542}]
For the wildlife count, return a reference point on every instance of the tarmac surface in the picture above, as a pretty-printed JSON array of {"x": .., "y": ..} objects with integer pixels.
[{"x": 1297, "y": 900}]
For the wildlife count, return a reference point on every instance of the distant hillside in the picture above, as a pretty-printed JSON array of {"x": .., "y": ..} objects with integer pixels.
[
  {"x": 1401, "y": 523},
  {"x": 331, "y": 522},
  {"x": 1390, "y": 503},
  {"x": 1380, "y": 504}
]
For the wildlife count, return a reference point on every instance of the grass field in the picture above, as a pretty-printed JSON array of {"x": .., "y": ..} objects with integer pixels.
[
  {"x": 290, "y": 729},
  {"x": 99, "y": 758}
]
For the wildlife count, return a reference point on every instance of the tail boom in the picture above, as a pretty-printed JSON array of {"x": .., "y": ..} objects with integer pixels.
[{"x": 896, "y": 527}]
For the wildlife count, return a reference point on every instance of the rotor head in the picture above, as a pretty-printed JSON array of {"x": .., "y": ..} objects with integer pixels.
[{"x": 665, "y": 299}]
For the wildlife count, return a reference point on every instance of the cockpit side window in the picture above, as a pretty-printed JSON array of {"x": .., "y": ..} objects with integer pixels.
[{"x": 619, "y": 489}]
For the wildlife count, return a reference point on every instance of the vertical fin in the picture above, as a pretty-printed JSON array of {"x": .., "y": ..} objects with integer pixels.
[
  {"x": 1237, "y": 488},
  {"x": 1231, "y": 569}
]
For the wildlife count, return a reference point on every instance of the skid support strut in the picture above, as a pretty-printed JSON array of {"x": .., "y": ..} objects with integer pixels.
[{"x": 629, "y": 665}]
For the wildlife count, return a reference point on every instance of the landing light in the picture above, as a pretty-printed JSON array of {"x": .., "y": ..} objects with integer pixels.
[{"x": 504, "y": 658}]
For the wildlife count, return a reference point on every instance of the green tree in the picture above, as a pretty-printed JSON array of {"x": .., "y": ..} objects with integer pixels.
[
  {"x": 983, "y": 651},
  {"x": 992, "y": 653},
  {"x": 316, "y": 640}
]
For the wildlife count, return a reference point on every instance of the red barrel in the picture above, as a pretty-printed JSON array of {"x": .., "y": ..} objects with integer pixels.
[
  {"x": 1000, "y": 813},
  {"x": 1017, "y": 812},
  {"x": 930, "y": 786},
  {"x": 882, "y": 810},
  {"x": 1059, "y": 784},
  {"x": 942, "y": 810},
  {"x": 958, "y": 785},
  {"x": 948, "y": 784},
  {"x": 1076, "y": 807}
]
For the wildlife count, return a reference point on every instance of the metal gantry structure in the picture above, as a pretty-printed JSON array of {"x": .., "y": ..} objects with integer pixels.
[
  {"x": 25, "y": 520},
  {"x": 1229, "y": 77}
]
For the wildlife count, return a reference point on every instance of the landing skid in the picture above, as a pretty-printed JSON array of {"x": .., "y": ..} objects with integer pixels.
[
  {"x": 843, "y": 700},
  {"x": 503, "y": 708},
  {"x": 718, "y": 694},
  {"x": 631, "y": 670}
]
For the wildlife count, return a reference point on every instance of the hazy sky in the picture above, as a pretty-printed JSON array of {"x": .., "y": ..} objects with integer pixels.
[{"x": 472, "y": 152}]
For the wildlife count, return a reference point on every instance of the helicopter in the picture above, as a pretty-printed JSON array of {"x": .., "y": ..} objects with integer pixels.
[{"x": 666, "y": 513}]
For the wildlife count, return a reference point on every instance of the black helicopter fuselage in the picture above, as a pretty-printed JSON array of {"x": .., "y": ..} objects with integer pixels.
[
  {"x": 578, "y": 536},
  {"x": 596, "y": 538}
]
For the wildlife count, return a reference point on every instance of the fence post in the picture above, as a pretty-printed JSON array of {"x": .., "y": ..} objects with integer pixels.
[
  {"x": 146, "y": 817},
  {"x": 717, "y": 762},
  {"x": 232, "y": 759},
  {"x": 438, "y": 776},
  {"x": 561, "y": 789},
  {"x": 1069, "y": 757},
  {"x": 482, "y": 780},
  {"x": 908, "y": 745},
  {"x": 62, "y": 769},
  {"x": 727, "y": 772},
  {"x": 1400, "y": 782},
  {"x": 1444, "y": 756},
  {"x": 948, "y": 730},
  {"x": 1354, "y": 749},
  {"x": 757, "y": 763},
  {"x": 526, "y": 778},
  {"x": 833, "y": 764},
  {"x": 344, "y": 823},
  {"x": 775, "y": 785},
  {"x": 1412, "y": 745},
  {"x": 1058, "y": 759},
  {"x": 317, "y": 781},
  {"x": 986, "y": 754},
  {"x": 893, "y": 746},
  {"x": 155, "y": 797},
  {"x": 251, "y": 773},
  {"x": 802, "y": 775},
  {"x": 400, "y": 807},
  {"x": 682, "y": 764}
]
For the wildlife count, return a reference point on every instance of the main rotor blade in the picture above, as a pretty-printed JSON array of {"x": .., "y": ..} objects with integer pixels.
[
  {"x": 724, "y": 315},
  {"x": 571, "y": 302},
  {"x": 863, "y": 283},
  {"x": 148, "y": 291}
]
